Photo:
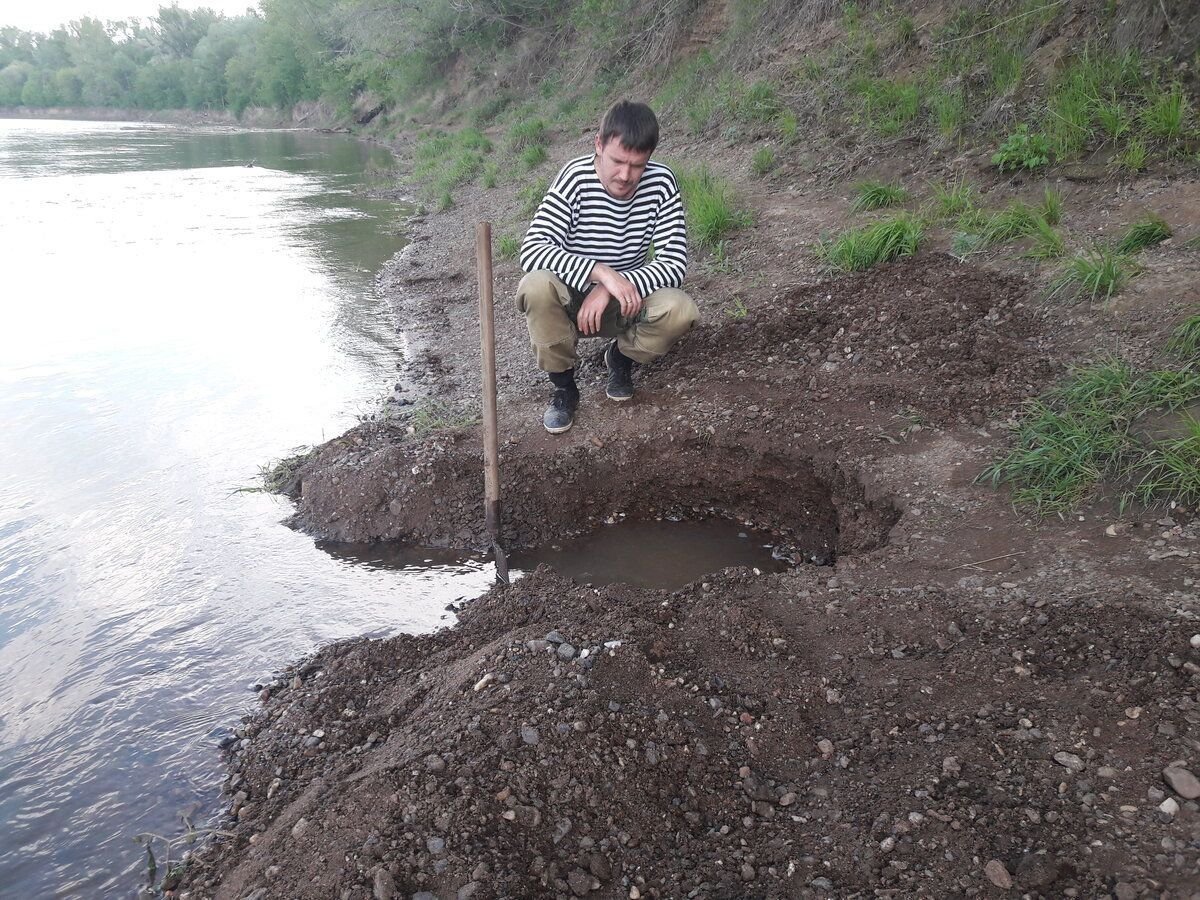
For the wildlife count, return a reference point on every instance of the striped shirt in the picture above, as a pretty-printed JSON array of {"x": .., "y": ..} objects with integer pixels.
[{"x": 578, "y": 224}]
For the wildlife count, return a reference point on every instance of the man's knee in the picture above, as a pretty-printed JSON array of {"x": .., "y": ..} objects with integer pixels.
[
  {"x": 537, "y": 292},
  {"x": 679, "y": 311}
]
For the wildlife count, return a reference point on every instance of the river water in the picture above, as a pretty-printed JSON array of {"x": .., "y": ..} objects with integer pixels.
[{"x": 179, "y": 306}]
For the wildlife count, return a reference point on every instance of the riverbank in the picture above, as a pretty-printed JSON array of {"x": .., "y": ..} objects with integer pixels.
[
  {"x": 949, "y": 697},
  {"x": 310, "y": 115}
]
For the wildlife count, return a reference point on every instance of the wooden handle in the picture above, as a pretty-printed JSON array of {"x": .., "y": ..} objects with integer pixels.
[{"x": 487, "y": 337}]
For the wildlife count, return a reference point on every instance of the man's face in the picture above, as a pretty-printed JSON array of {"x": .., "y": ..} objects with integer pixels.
[{"x": 620, "y": 169}]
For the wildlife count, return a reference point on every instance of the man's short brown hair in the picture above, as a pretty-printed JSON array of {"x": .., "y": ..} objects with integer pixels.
[{"x": 633, "y": 124}]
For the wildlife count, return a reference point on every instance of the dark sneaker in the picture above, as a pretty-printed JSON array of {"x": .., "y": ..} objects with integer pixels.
[
  {"x": 620, "y": 373},
  {"x": 560, "y": 414}
]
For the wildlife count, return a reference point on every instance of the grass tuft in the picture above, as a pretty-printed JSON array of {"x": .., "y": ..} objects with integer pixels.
[
  {"x": 1047, "y": 243},
  {"x": 763, "y": 160},
  {"x": 711, "y": 209},
  {"x": 508, "y": 247},
  {"x": 1185, "y": 339},
  {"x": 1166, "y": 113},
  {"x": 530, "y": 133},
  {"x": 1145, "y": 232},
  {"x": 1022, "y": 151},
  {"x": 1134, "y": 157},
  {"x": 533, "y": 156},
  {"x": 1052, "y": 206},
  {"x": 954, "y": 198},
  {"x": 531, "y": 195},
  {"x": 1099, "y": 273},
  {"x": 883, "y": 241},
  {"x": 876, "y": 195}
]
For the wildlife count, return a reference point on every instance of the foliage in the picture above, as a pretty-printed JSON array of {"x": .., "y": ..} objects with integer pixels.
[
  {"x": 1052, "y": 206},
  {"x": 1185, "y": 339},
  {"x": 533, "y": 156},
  {"x": 1134, "y": 156},
  {"x": 531, "y": 196},
  {"x": 1166, "y": 113},
  {"x": 1146, "y": 232},
  {"x": 763, "y": 160},
  {"x": 876, "y": 195},
  {"x": 1022, "y": 150},
  {"x": 508, "y": 247},
  {"x": 883, "y": 241},
  {"x": 954, "y": 198},
  {"x": 1083, "y": 433},
  {"x": 1099, "y": 273},
  {"x": 712, "y": 212}
]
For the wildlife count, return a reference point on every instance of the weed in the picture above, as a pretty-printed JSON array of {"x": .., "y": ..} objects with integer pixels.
[
  {"x": 788, "y": 125},
  {"x": 1081, "y": 433},
  {"x": 1165, "y": 113},
  {"x": 763, "y": 160},
  {"x": 1016, "y": 220},
  {"x": 533, "y": 156},
  {"x": 491, "y": 174},
  {"x": 1006, "y": 65},
  {"x": 1134, "y": 157},
  {"x": 876, "y": 195},
  {"x": 1099, "y": 273},
  {"x": 531, "y": 196},
  {"x": 280, "y": 476},
  {"x": 532, "y": 132},
  {"x": 950, "y": 110},
  {"x": 1113, "y": 118},
  {"x": 906, "y": 31},
  {"x": 759, "y": 104},
  {"x": 1052, "y": 206},
  {"x": 445, "y": 202},
  {"x": 711, "y": 210},
  {"x": 1146, "y": 232},
  {"x": 719, "y": 261},
  {"x": 1185, "y": 339},
  {"x": 1022, "y": 150},
  {"x": 736, "y": 308},
  {"x": 861, "y": 248},
  {"x": 887, "y": 106},
  {"x": 954, "y": 198},
  {"x": 1047, "y": 243},
  {"x": 508, "y": 247}
]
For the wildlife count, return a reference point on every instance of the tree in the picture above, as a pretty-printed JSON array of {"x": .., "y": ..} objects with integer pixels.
[{"x": 180, "y": 30}]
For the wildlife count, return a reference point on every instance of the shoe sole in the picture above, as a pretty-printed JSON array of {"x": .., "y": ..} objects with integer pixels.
[
  {"x": 608, "y": 368},
  {"x": 566, "y": 427}
]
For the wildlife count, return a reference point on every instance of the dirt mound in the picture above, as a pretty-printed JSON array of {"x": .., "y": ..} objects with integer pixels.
[{"x": 748, "y": 737}]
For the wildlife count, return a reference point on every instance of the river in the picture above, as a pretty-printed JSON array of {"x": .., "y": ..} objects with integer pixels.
[{"x": 180, "y": 306}]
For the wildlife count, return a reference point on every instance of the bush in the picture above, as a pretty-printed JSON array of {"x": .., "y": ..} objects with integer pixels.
[{"x": 1022, "y": 150}]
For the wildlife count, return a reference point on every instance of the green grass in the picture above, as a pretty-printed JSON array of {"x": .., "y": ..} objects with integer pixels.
[
  {"x": 508, "y": 247},
  {"x": 861, "y": 248},
  {"x": 736, "y": 308},
  {"x": 1083, "y": 433},
  {"x": 1017, "y": 220},
  {"x": 1185, "y": 339},
  {"x": 1022, "y": 151},
  {"x": 491, "y": 175},
  {"x": 1047, "y": 243},
  {"x": 444, "y": 161},
  {"x": 760, "y": 103},
  {"x": 1134, "y": 157},
  {"x": 1052, "y": 206},
  {"x": 712, "y": 211},
  {"x": 953, "y": 198},
  {"x": 950, "y": 110},
  {"x": 1098, "y": 273},
  {"x": 788, "y": 125},
  {"x": 1146, "y": 232},
  {"x": 1166, "y": 113},
  {"x": 445, "y": 202},
  {"x": 435, "y": 415},
  {"x": 876, "y": 195},
  {"x": 887, "y": 107},
  {"x": 531, "y": 196},
  {"x": 533, "y": 156},
  {"x": 529, "y": 133},
  {"x": 763, "y": 160}
]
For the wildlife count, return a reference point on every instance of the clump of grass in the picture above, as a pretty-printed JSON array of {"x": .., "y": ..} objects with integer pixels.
[
  {"x": 711, "y": 209},
  {"x": 1113, "y": 118},
  {"x": 788, "y": 125},
  {"x": 1047, "y": 242},
  {"x": 883, "y": 241},
  {"x": 760, "y": 103},
  {"x": 876, "y": 195},
  {"x": 888, "y": 107},
  {"x": 1134, "y": 157},
  {"x": 949, "y": 108},
  {"x": 1052, "y": 206},
  {"x": 533, "y": 156},
  {"x": 1081, "y": 434},
  {"x": 763, "y": 160},
  {"x": 530, "y": 133},
  {"x": 954, "y": 198},
  {"x": 736, "y": 308},
  {"x": 1166, "y": 113},
  {"x": 435, "y": 415},
  {"x": 1098, "y": 273},
  {"x": 1022, "y": 151},
  {"x": 1146, "y": 232},
  {"x": 906, "y": 31},
  {"x": 281, "y": 476},
  {"x": 531, "y": 195},
  {"x": 491, "y": 175},
  {"x": 508, "y": 247},
  {"x": 1185, "y": 339},
  {"x": 1016, "y": 220},
  {"x": 445, "y": 201}
]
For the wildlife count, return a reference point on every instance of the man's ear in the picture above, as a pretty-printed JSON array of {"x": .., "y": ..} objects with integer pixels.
[{"x": 599, "y": 145}]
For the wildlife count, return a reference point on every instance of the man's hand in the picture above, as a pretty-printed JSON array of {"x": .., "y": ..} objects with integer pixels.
[
  {"x": 620, "y": 287},
  {"x": 592, "y": 310}
]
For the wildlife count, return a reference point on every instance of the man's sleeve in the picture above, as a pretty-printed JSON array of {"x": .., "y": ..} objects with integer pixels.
[
  {"x": 670, "y": 250},
  {"x": 545, "y": 239}
]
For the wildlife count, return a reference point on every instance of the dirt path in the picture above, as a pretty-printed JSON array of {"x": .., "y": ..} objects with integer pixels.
[{"x": 955, "y": 701}]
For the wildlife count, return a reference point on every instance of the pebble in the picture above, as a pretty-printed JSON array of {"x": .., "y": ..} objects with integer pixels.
[
  {"x": 566, "y": 651},
  {"x": 435, "y": 844},
  {"x": 580, "y": 882},
  {"x": 825, "y": 746},
  {"x": 434, "y": 763},
  {"x": 1182, "y": 782},
  {"x": 484, "y": 682},
  {"x": 468, "y": 890},
  {"x": 748, "y": 873},
  {"x": 529, "y": 734},
  {"x": 951, "y": 766},
  {"x": 997, "y": 874},
  {"x": 1169, "y": 807},
  {"x": 1195, "y": 641},
  {"x": 299, "y": 828},
  {"x": 1069, "y": 760},
  {"x": 788, "y": 799},
  {"x": 385, "y": 885},
  {"x": 555, "y": 638}
]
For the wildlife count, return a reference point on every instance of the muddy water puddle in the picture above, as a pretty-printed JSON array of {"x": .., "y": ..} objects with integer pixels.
[{"x": 656, "y": 554}]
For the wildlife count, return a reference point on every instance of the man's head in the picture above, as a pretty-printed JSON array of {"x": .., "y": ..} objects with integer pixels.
[{"x": 628, "y": 135}]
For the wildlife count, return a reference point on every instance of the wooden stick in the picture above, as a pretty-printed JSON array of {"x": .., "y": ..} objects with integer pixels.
[
  {"x": 491, "y": 448},
  {"x": 980, "y": 562}
]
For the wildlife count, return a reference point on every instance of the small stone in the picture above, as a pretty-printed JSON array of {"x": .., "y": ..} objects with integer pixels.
[
  {"x": 468, "y": 890},
  {"x": 529, "y": 734},
  {"x": 385, "y": 885},
  {"x": 825, "y": 746},
  {"x": 1182, "y": 782},
  {"x": 435, "y": 844},
  {"x": 1195, "y": 641},
  {"x": 434, "y": 763},
  {"x": 554, "y": 637},
  {"x": 997, "y": 874},
  {"x": 566, "y": 651},
  {"x": 1107, "y": 772},
  {"x": 1123, "y": 890},
  {"x": 748, "y": 873},
  {"x": 788, "y": 799},
  {"x": 951, "y": 766},
  {"x": 1069, "y": 760},
  {"x": 299, "y": 828},
  {"x": 580, "y": 882},
  {"x": 484, "y": 682},
  {"x": 888, "y": 844},
  {"x": 1169, "y": 807}
]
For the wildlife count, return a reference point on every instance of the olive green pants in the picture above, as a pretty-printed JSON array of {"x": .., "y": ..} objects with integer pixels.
[{"x": 550, "y": 309}]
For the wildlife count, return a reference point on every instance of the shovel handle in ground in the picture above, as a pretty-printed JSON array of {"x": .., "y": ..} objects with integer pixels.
[{"x": 491, "y": 447}]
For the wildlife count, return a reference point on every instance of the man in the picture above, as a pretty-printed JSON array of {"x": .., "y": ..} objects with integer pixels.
[{"x": 586, "y": 254}]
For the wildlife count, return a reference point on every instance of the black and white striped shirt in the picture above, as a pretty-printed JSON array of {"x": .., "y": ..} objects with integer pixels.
[{"x": 578, "y": 224}]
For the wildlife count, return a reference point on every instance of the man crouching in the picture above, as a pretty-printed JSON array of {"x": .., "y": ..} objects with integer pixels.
[{"x": 588, "y": 257}]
